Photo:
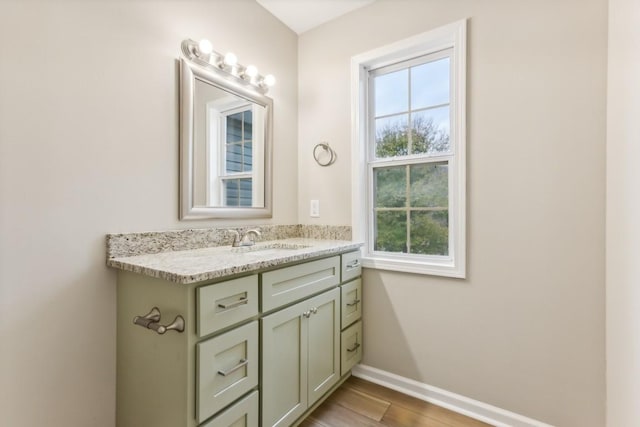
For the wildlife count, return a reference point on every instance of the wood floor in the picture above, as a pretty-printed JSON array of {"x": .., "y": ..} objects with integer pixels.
[{"x": 359, "y": 403}]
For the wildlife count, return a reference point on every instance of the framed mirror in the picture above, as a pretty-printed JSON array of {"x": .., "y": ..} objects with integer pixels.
[{"x": 225, "y": 145}]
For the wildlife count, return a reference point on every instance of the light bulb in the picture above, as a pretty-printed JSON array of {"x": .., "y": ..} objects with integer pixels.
[
  {"x": 205, "y": 47},
  {"x": 251, "y": 71},
  {"x": 269, "y": 80},
  {"x": 230, "y": 59}
]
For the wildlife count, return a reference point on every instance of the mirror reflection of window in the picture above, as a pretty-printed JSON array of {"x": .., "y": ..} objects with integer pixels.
[
  {"x": 232, "y": 133},
  {"x": 237, "y": 179}
]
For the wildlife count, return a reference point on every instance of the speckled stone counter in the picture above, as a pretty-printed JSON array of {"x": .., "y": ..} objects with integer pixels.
[
  {"x": 171, "y": 256},
  {"x": 153, "y": 242}
]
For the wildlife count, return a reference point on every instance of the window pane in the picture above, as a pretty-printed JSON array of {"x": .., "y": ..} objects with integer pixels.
[
  {"x": 430, "y": 131},
  {"x": 391, "y": 231},
  {"x": 430, "y": 84},
  {"x": 391, "y": 136},
  {"x": 234, "y": 127},
  {"x": 231, "y": 192},
  {"x": 429, "y": 185},
  {"x": 245, "y": 192},
  {"x": 430, "y": 232},
  {"x": 390, "y": 187},
  {"x": 248, "y": 129},
  {"x": 234, "y": 158},
  {"x": 391, "y": 92}
]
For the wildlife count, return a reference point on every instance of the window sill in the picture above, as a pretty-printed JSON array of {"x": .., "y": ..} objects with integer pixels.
[{"x": 444, "y": 269}]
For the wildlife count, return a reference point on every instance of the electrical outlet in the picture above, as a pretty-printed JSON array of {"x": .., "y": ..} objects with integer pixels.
[{"x": 315, "y": 209}]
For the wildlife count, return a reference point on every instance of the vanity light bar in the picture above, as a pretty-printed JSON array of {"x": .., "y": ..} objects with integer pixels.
[{"x": 202, "y": 52}]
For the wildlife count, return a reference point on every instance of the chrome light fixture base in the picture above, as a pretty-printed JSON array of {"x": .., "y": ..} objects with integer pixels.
[{"x": 209, "y": 58}]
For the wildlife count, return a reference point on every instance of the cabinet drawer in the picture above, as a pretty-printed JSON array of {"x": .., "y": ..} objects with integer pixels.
[
  {"x": 280, "y": 287},
  {"x": 227, "y": 368},
  {"x": 351, "y": 347},
  {"x": 224, "y": 304},
  {"x": 351, "y": 266},
  {"x": 242, "y": 414},
  {"x": 351, "y": 302}
]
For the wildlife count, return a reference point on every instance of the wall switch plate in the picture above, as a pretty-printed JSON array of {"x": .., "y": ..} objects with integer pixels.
[{"x": 315, "y": 209}]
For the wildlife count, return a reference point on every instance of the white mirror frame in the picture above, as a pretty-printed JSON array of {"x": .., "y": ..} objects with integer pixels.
[{"x": 189, "y": 71}]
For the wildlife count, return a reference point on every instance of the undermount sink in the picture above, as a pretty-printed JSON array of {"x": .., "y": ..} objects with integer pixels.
[{"x": 268, "y": 248}]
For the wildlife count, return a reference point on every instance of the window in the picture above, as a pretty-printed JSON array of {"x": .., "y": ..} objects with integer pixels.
[
  {"x": 236, "y": 178},
  {"x": 235, "y": 163},
  {"x": 409, "y": 153}
]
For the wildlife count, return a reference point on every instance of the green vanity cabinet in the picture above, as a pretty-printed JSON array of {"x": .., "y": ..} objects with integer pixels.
[
  {"x": 183, "y": 379},
  {"x": 300, "y": 357},
  {"x": 257, "y": 349}
]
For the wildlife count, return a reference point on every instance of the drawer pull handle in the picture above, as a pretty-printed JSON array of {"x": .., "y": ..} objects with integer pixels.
[
  {"x": 243, "y": 362},
  {"x": 241, "y": 301},
  {"x": 353, "y": 264},
  {"x": 354, "y": 348},
  {"x": 151, "y": 320},
  {"x": 354, "y": 302}
]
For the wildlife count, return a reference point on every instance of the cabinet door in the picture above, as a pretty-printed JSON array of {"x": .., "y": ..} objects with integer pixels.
[
  {"x": 324, "y": 343},
  {"x": 284, "y": 359},
  {"x": 351, "y": 347},
  {"x": 290, "y": 284},
  {"x": 224, "y": 304},
  {"x": 243, "y": 413},
  {"x": 351, "y": 266},
  {"x": 351, "y": 302},
  {"x": 227, "y": 368}
]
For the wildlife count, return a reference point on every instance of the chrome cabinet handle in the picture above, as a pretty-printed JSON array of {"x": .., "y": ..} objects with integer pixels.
[
  {"x": 354, "y": 302},
  {"x": 151, "y": 320},
  {"x": 241, "y": 301},
  {"x": 354, "y": 348},
  {"x": 308, "y": 313},
  {"x": 243, "y": 362},
  {"x": 353, "y": 264}
]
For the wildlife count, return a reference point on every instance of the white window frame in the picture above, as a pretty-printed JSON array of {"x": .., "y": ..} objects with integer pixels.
[{"x": 452, "y": 36}]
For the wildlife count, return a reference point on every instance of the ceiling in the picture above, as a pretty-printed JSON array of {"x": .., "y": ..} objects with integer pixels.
[{"x": 303, "y": 15}]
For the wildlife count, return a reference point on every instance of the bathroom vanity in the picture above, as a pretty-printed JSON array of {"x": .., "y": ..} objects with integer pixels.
[{"x": 249, "y": 336}]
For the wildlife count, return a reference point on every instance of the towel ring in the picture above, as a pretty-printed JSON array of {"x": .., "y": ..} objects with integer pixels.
[{"x": 325, "y": 147}]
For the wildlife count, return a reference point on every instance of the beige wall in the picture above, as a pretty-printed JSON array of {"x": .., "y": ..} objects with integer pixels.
[
  {"x": 525, "y": 330},
  {"x": 623, "y": 215},
  {"x": 89, "y": 145}
]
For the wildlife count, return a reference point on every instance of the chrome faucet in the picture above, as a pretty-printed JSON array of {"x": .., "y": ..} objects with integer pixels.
[{"x": 244, "y": 239}]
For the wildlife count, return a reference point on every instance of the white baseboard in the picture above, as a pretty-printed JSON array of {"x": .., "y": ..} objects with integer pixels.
[{"x": 463, "y": 405}]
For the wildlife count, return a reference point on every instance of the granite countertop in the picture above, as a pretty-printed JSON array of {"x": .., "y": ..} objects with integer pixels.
[{"x": 197, "y": 265}]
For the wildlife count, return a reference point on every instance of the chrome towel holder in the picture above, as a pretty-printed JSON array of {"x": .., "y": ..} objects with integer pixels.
[
  {"x": 151, "y": 320},
  {"x": 320, "y": 158}
]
